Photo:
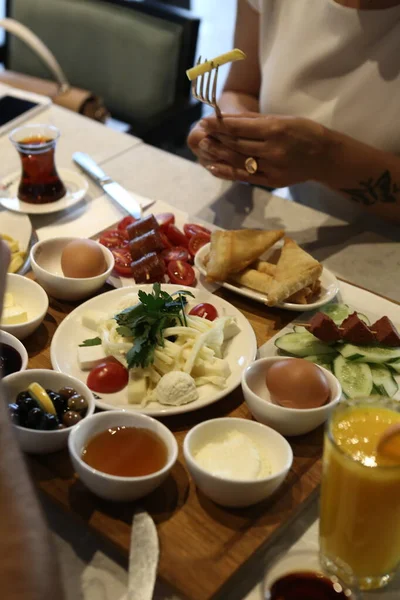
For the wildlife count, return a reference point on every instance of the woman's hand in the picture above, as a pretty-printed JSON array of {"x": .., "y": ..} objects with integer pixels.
[{"x": 288, "y": 150}]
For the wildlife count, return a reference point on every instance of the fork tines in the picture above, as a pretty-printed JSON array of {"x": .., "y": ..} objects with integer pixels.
[{"x": 206, "y": 91}]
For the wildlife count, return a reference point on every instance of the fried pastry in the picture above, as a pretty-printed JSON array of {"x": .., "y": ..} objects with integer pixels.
[{"x": 253, "y": 279}]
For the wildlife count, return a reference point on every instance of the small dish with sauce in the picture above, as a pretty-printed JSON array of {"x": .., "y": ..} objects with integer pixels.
[
  {"x": 287, "y": 416},
  {"x": 25, "y": 306},
  {"x": 122, "y": 456},
  {"x": 13, "y": 355},
  {"x": 71, "y": 268},
  {"x": 236, "y": 462}
]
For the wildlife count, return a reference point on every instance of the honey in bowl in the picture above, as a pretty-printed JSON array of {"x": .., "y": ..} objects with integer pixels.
[
  {"x": 307, "y": 585},
  {"x": 126, "y": 452}
]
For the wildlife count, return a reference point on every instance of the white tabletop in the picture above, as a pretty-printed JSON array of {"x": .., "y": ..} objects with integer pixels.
[{"x": 363, "y": 251}]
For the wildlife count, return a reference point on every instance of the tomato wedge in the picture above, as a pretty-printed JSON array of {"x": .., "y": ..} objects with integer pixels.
[
  {"x": 108, "y": 376},
  {"x": 205, "y": 311},
  {"x": 177, "y": 253},
  {"x": 198, "y": 241},
  {"x": 176, "y": 237},
  {"x": 180, "y": 272},
  {"x": 128, "y": 220},
  {"x": 191, "y": 229},
  {"x": 122, "y": 261},
  {"x": 164, "y": 220},
  {"x": 113, "y": 238},
  {"x": 165, "y": 240}
]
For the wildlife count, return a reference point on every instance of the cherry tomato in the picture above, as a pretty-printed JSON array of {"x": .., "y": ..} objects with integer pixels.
[
  {"x": 123, "y": 260},
  {"x": 176, "y": 237},
  {"x": 191, "y": 229},
  {"x": 113, "y": 238},
  {"x": 198, "y": 241},
  {"x": 164, "y": 220},
  {"x": 177, "y": 253},
  {"x": 180, "y": 272},
  {"x": 205, "y": 311},
  {"x": 165, "y": 240},
  {"x": 128, "y": 220},
  {"x": 108, "y": 376}
]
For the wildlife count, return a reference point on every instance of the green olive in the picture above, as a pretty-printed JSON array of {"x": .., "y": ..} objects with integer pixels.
[
  {"x": 71, "y": 418},
  {"x": 77, "y": 403},
  {"x": 67, "y": 392}
]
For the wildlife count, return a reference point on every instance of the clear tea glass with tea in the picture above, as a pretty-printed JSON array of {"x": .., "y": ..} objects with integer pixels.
[{"x": 40, "y": 182}]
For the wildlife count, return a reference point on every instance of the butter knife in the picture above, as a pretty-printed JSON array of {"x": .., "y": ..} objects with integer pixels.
[
  {"x": 143, "y": 557},
  {"x": 111, "y": 187}
]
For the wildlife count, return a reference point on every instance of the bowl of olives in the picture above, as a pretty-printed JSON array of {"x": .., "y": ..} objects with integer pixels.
[{"x": 44, "y": 406}]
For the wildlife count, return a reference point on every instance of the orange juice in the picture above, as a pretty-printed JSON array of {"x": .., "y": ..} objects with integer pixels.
[{"x": 360, "y": 495}]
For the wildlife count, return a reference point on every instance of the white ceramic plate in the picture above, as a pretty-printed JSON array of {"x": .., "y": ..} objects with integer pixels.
[
  {"x": 19, "y": 227},
  {"x": 240, "y": 351},
  {"x": 372, "y": 306},
  {"x": 75, "y": 184},
  {"x": 329, "y": 284}
]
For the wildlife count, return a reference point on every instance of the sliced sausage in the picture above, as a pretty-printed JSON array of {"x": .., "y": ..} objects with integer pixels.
[
  {"x": 142, "y": 226},
  {"x": 148, "y": 269},
  {"x": 144, "y": 244},
  {"x": 324, "y": 328},
  {"x": 386, "y": 333},
  {"x": 356, "y": 331}
]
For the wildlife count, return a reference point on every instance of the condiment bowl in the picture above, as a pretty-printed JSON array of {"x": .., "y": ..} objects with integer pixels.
[
  {"x": 11, "y": 340},
  {"x": 36, "y": 441},
  {"x": 46, "y": 265},
  {"x": 233, "y": 492},
  {"x": 32, "y": 298},
  {"x": 288, "y": 421},
  {"x": 113, "y": 487}
]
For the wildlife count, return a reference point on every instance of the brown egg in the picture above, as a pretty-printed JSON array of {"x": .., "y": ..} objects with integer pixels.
[
  {"x": 297, "y": 383},
  {"x": 83, "y": 258}
]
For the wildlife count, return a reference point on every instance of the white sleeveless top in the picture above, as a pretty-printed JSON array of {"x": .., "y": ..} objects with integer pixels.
[{"x": 335, "y": 65}]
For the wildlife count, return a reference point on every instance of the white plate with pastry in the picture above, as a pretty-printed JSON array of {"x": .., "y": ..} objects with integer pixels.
[
  {"x": 85, "y": 322},
  {"x": 266, "y": 267}
]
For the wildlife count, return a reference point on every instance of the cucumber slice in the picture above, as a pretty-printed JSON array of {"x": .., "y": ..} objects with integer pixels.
[
  {"x": 337, "y": 312},
  {"x": 301, "y": 329},
  {"x": 383, "y": 380},
  {"x": 355, "y": 378},
  {"x": 395, "y": 366},
  {"x": 302, "y": 344},
  {"x": 369, "y": 354},
  {"x": 323, "y": 360}
]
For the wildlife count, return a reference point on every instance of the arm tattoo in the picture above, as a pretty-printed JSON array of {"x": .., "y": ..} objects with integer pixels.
[{"x": 370, "y": 192}]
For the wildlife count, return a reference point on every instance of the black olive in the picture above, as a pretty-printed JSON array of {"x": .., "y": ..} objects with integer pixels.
[
  {"x": 22, "y": 396},
  {"x": 14, "y": 413},
  {"x": 26, "y": 404},
  {"x": 35, "y": 418},
  {"x": 59, "y": 403},
  {"x": 77, "y": 403},
  {"x": 49, "y": 422},
  {"x": 67, "y": 392},
  {"x": 71, "y": 418}
]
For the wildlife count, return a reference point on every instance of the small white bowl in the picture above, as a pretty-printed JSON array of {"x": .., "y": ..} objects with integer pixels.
[
  {"x": 11, "y": 340},
  {"x": 46, "y": 264},
  {"x": 33, "y": 440},
  {"x": 288, "y": 421},
  {"x": 112, "y": 487},
  {"x": 32, "y": 298},
  {"x": 231, "y": 492}
]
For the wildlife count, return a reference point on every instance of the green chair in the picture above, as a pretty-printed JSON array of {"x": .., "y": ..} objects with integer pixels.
[{"x": 132, "y": 53}]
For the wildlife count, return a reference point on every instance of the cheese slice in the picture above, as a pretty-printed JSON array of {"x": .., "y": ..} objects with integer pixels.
[
  {"x": 208, "y": 65},
  {"x": 14, "y": 315},
  {"x": 8, "y": 300},
  {"x": 89, "y": 356}
]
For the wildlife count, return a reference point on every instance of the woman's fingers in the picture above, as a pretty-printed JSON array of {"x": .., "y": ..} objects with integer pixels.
[
  {"x": 221, "y": 153},
  {"x": 224, "y": 171},
  {"x": 243, "y": 146},
  {"x": 240, "y": 127}
]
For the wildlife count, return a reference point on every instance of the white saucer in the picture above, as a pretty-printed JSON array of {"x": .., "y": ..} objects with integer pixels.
[{"x": 75, "y": 184}]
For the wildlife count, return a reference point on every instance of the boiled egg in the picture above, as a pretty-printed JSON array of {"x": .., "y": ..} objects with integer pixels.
[
  {"x": 297, "y": 383},
  {"x": 82, "y": 258}
]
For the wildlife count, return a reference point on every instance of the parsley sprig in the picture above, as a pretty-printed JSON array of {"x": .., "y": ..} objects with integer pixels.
[{"x": 146, "y": 321}]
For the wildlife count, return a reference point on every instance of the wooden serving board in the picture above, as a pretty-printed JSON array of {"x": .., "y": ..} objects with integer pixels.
[{"x": 202, "y": 544}]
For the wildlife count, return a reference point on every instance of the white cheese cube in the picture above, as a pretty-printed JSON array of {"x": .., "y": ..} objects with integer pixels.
[
  {"x": 230, "y": 329},
  {"x": 14, "y": 315},
  {"x": 93, "y": 318},
  {"x": 89, "y": 356},
  {"x": 137, "y": 387},
  {"x": 8, "y": 300}
]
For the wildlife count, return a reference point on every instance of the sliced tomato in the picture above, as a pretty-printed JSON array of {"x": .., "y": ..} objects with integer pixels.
[
  {"x": 128, "y": 220},
  {"x": 108, "y": 376},
  {"x": 191, "y": 229},
  {"x": 205, "y": 311},
  {"x": 113, "y": 238},
  {"x": 123, "y": 261},
  {"x": 176, "y": 237},
  {"x": 176, "y": 253},
  {"x": 165, "y": 240},
  {"x": 180, "y": 272},
  {"x": 198, "y": 241},
  {"x": 164, "y": 220}
]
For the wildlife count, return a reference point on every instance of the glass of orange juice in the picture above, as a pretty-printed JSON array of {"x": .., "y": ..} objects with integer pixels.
[{"x": 360, "y": 492}]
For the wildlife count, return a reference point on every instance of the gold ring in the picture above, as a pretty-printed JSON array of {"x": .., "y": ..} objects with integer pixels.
[{"x": 251, "y": 165}]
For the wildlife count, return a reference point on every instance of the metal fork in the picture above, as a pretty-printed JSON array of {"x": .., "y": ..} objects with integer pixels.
[{"x": 209, "y": 94}]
